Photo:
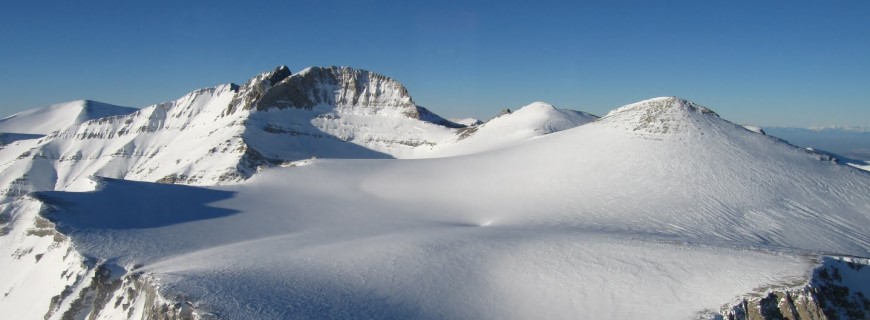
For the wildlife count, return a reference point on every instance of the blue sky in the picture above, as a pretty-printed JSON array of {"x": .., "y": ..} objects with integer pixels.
[{"x": 793, "y": 63}]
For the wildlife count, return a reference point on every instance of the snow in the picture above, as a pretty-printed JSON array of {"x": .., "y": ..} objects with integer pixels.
[
  {"x": 328, "y": 250},
  {"x": 34, "y": 268},
  {"x": 8, "y": 138},
  {"x": 59, "y": 116},
  {"x": 352, "y": 201},
  {"x": 152, "y": 143},
  {"x": 617, "y": 218},
  {"x": 533, "y": 120}
]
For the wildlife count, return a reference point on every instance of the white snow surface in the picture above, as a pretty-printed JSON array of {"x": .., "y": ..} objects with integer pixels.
[
  {"x": 659, "y": 209},
  {"x": 51, "y": 118},
  {"x": 533, "y": 120}
]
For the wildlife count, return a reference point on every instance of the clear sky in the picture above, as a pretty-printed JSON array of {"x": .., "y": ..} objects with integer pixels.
[{"x": 770, "y": 62}]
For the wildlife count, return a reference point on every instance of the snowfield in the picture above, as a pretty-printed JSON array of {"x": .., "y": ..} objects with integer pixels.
[
  {"x": 594, "y": 229},
  {"x": 352, "y": 202}
]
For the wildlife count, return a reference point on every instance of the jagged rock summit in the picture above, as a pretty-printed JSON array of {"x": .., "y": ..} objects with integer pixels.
[{"x": 343, "y": 89}]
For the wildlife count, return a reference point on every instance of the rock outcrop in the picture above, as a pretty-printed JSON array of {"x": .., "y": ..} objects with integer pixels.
[{"x": 837, "y": 289}]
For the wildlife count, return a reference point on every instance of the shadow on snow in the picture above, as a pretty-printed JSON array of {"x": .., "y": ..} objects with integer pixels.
[{"x": 124, "y": 204}]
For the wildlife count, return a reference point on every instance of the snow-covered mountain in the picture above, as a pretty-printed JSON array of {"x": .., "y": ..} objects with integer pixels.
[
  {"x": 225, "y": 133},
  {"x": 659, "y": 209}
]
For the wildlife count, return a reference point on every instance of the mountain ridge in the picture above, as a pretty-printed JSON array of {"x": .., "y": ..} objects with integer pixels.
[
  {"x": 225, "y": 133},
  {"x": 597, "y": 219},
  {"x": 285, "y": 193}
]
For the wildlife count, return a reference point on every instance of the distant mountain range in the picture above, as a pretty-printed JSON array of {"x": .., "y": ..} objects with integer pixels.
[{"x": 849, "y": 141}]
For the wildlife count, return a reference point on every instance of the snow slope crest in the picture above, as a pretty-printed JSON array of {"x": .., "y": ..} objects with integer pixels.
[
  {"x": 660, "y": 116},
  {"x": 59, "y": 116},
  {"x": 543, "y": 118},
  {"x": 548, "y": 118},
  {"x": 508, "y": 129}
]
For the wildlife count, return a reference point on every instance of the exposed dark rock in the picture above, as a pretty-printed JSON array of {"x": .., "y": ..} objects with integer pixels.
[{"x": 825, "y": 296}]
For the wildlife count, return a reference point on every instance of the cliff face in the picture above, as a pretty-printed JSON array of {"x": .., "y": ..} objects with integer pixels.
[
  {"x": 837, "y": 289},
  {"x": 347, "y": 89}
]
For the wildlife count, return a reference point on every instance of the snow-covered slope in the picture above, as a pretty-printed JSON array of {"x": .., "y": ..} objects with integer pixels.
[
  {"x": 508, "y": 129},
  {"x": 60, "y": 116},
  {"x": 659, "y": 209}
]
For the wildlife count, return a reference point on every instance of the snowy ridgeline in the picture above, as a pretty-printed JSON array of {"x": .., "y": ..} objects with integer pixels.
[{"x": 660, "y": 208}]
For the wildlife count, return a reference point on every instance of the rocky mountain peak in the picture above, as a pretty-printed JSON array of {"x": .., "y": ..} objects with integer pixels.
[
  {"x": 248, "y": 94},
  {"x": 280, "y": 73},
  {"x": 662, "y": 115},
  {"x": 662, "y": 104},
  {"x": 347, "y": 89}
]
